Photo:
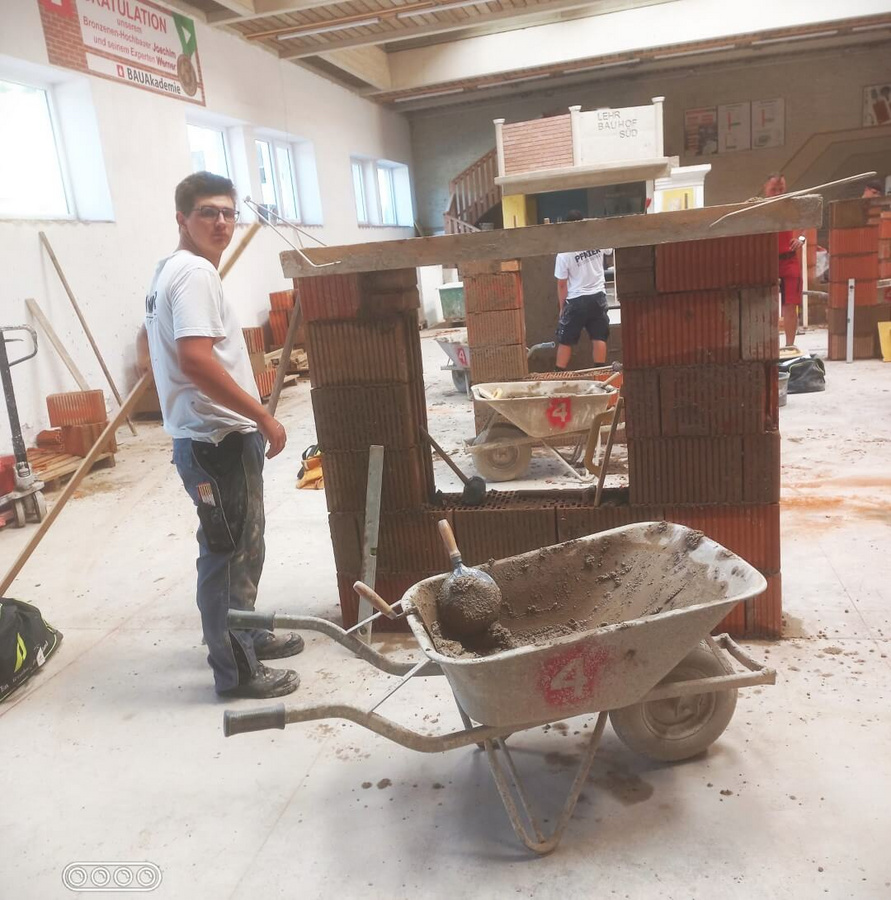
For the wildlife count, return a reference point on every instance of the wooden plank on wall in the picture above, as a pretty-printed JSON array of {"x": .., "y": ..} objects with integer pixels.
[{"x": 536, "y": 240}]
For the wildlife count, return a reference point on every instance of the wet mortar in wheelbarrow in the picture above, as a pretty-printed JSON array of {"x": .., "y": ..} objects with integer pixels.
[{"x": 596, "y": 622}]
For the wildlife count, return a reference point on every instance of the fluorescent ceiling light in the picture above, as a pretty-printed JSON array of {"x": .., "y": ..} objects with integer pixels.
[
  {"x": 427, "y": 96},
  {"x": 324, "y": 29},
  {"x": 609, "y": 65},
  {"x": 439, "y": 7},
  {"x": 794, "y": 37},
  {"x": 694, "y": 52},
  {"x": 871, "y": 27}
]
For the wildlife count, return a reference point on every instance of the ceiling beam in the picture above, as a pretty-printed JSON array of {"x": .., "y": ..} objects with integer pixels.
[
  {"x": 260, "y": 9},
  {"x": 386, "y": 37},
  {"x": 370, "y": 64}
]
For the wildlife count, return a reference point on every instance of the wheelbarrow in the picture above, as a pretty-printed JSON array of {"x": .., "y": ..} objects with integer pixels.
[
  {"x": 458, "y": 353},
  {"x": 539, "y": 413},
  {"x": 615, "y": 624}
]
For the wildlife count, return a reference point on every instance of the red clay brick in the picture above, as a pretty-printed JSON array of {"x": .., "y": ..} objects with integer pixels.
[
  {"x": 76, "y": 408},
  {"x": 862, "y": 266},
  {"x": 853, "y": 240},
  {"x": 496, "y": 329},
  {"x": 488, "y": 293},
  {"x": 717, "y": 263},
  {"x": 866, "y": 293},
  {"x": 681, "y": 329},
  {"x": 498, "y": 363},
  {"x": 354, "y": 417}
]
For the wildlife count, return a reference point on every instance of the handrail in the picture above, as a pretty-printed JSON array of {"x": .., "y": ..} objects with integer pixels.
[{"x": 473, "y": 193}]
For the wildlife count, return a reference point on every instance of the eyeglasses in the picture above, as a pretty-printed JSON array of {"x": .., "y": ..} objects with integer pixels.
[{"x": 214, "y": 212}]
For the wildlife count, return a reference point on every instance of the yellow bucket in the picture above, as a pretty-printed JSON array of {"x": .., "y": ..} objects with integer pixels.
[{"x": 885, "y": 340}]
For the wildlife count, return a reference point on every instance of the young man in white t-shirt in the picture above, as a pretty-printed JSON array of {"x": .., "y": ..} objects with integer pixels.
[
  {"x": 582, "y": 297},
  {"x": 211, "y": 407}
]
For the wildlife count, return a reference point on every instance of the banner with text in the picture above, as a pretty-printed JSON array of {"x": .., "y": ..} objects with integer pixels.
[{"x": 133, "y": 41}]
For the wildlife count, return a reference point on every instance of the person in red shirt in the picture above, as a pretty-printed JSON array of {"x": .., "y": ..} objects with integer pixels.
[{"x": 789, "y": 248}]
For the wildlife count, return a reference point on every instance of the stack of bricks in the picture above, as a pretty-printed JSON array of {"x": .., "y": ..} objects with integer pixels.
[
  {"x": 80, "y": 418},
  {"x": 854, "y": 254},
  {"x": 264, "y": 375},
  {"x": 496, "y": 326},
  {"x": 367, "y": 388},
  {"x": 700, "y": 349},
  {"x": 281, "y": 305}
]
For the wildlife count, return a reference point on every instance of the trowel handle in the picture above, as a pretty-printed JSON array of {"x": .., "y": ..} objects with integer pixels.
[
  {"x": 375, "y": 599},
  {"x": 451, "y": 545},
  {"x": 612, "y": 378}
]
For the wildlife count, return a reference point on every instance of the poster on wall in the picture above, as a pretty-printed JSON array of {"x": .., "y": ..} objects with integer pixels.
[
  {"x": 877, "y": 105},
  {"x": 768, "y": 123},
  {"x": 734, "y": 127},
  {"x": 701, "y": 131},
  {"x": 132, "y": 41}
]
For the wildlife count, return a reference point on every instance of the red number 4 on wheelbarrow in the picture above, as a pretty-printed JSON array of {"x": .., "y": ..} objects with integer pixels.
[{"x": 559, "y": 411}]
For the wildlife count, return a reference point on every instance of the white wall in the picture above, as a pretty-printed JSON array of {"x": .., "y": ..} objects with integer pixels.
[
  {"x": 146, "y": 153},
  {"x": 823, "y": 93}
]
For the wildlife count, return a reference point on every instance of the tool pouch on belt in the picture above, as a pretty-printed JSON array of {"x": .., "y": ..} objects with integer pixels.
[{"x": 222, "y": 499}]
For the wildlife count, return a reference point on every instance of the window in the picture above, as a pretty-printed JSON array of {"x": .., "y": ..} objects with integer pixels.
[
  {"x": 31, "y": 173},
  {"x": 208, "y": 148},
  {"x": 387, "y": 188},
  {"x": 267, "y": 176},
  {"x": 383, "y": 192},
  {"x": 285, "y": 169},
  {"x": 287, "y": 183},
  {"x": 359, "y": 191}
]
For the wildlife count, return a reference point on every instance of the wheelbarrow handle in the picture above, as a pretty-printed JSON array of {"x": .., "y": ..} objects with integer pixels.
[
  {"x": 375, "y": 600},
  {"x": 253, "y": 720},
  {"x": 247, "y": 619}
]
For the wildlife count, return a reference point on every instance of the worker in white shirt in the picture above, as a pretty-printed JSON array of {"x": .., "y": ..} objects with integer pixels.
[{"x": 581, "y": 293}]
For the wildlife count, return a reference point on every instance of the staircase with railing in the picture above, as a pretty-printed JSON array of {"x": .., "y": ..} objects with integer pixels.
[{"x": 472, "y": 193}]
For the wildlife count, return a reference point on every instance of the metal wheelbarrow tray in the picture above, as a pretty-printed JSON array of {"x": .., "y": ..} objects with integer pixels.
[
  {"x": 540, "y": 413},
  {"x": 617, "y": 623}
]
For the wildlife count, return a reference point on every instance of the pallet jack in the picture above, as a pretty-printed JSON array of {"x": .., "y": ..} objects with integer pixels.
[{"x": 27, "y": 500}]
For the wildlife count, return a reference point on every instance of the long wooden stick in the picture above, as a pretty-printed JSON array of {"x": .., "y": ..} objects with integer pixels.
[
  {"x": 285, "y": 361},
  {"x": 240, "y": 248},
  {"x": 45, "y": 241},
  {"x": 50, "y": 332},
  {"x": 85, "y": 466}
]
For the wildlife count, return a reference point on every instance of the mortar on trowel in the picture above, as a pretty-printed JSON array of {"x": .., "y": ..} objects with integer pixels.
[{"x": 469, "y": 601}]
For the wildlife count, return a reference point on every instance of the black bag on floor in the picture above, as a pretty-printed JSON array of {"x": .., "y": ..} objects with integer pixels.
[
  {"x": 26, "y": 643},
  {"x": 807, "y": 374}
]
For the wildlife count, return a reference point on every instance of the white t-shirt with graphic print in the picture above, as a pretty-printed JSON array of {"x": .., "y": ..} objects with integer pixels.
[
  {"x": 186, "y": 300},
  {"x": 583, "y": 269}
]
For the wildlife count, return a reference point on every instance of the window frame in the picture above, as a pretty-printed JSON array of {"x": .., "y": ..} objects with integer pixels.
[
  {"x": 276, "y": 145},
  {"x": 224, "y": 139},
  {"x": 388, "y": 171},
  {"x": 46, "y": 88},
  {"x": 360, "y": 190}
]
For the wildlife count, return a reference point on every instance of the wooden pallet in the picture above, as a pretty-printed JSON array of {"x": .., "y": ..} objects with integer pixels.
[
  {"x": 299, "y": 361},
  {"x": 53, "y": 467}
]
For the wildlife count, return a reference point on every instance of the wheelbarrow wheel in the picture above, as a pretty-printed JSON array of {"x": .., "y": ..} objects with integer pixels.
[
  {"x": 459, "y": 379},
  {"x": 679, "y": 727},
  {"x": 503, "y": 463}
]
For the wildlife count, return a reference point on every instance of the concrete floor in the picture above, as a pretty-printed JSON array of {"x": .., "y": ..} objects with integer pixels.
[{"x": 115, "y": 753}]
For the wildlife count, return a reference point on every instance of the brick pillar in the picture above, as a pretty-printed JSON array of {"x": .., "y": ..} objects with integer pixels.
[
  {"x": 854, "y": 253},
  {"x": 699, "y": 326},
  {"x": 496, "y": 327},
  {"x": 368, "y": 388}
]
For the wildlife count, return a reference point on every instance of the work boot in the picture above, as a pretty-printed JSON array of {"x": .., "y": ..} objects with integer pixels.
[
  {"x": 278, "y": 646},
  {"x": 265, "y": 684}
]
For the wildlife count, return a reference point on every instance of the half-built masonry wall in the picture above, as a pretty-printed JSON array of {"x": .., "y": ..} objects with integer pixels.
[{"x": 701, "y": 343}]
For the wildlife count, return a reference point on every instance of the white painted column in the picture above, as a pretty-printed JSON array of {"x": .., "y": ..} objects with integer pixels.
[
  {"x": 499, "y": 144},
  {"x": 574, "y": 116},
  {"x": 657, "y": 109}
]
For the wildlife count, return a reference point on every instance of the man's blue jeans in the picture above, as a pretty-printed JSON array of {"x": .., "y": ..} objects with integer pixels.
[{"x": 225, "y": 483}]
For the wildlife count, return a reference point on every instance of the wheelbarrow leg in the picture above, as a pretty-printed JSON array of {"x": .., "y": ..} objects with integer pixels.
[{"x": 537, "y": 841}]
